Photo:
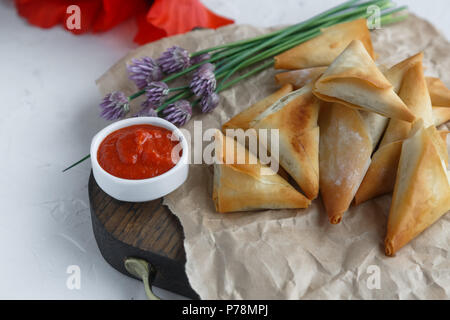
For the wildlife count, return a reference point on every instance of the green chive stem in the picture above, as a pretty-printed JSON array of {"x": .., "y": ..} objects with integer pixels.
[{"x": 77, "y": 163}]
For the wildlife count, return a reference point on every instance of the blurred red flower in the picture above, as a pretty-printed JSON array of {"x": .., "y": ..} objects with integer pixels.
[{"x": 155, "y": 19}]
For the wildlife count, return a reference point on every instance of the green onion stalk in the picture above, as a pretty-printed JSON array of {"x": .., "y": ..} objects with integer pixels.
[{"x": 217, "y": 68}]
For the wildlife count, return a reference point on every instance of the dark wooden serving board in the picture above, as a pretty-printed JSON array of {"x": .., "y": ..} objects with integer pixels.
[{"x": 145, "y": 230}]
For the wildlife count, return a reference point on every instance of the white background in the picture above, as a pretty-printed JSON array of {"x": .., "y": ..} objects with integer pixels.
[{"x": 48, "y": 116}]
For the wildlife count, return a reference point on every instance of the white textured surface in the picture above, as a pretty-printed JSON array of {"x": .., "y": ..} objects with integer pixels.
[{"x": 49, "y": 114}]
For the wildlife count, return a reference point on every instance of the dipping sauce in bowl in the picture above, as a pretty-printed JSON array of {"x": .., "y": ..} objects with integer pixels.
[
  {"x": 137, "y": 160},
  {"x": 139, "y": 151}
]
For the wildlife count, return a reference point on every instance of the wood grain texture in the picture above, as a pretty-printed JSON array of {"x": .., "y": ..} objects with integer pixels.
[{"x": 145, "y": 230}]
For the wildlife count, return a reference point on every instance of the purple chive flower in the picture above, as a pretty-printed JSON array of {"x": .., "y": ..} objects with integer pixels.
[
  {"x": 114, "y": 106},
  {"x": 204, "y": 80},
  {"x": 174, "y": 59},
  {"x": 209, "y": 102},
  {"x": 147, "y": 111},
  {"x": 179, "y": 112},
  {"x": 156, "y": 92},
  {"x": 200, "y": 58},
  {"x": 144, "y": 71},
  {"x": 148, "y": 104}
]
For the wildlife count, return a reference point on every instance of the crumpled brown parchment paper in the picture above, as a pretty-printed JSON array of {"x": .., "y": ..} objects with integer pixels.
[{"x": 297, "y": 254}]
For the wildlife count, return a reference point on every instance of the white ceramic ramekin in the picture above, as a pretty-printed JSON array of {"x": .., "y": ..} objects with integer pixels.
[{"x": 144, "y": 189}]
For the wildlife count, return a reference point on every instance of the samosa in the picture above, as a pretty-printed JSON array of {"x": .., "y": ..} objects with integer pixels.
[
  {"x": 295, "y": 116},
  {"x": 422, "y": 187},
  {"x": 345, "y": 149},
  {"x": 323, "y": 49},
  {"x": 354, "y": 80},
  {"x": 249, "y": 185},
  {"x": 380, "y": 177}
]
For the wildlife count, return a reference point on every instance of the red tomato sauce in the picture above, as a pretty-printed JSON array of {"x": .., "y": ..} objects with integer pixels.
[{"x": 137, "y": 152}]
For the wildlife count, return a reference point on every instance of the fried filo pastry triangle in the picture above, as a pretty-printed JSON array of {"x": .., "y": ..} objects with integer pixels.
[
  {"x": 243, "y": 119},
  {"x": 355, "y": 81},
  {"x": 247, "y": 116},
  {"x": 299, "y": 78},
  {"x": 344, "y": 133},
  {"x": 380, "y": 177},
  {"x": 249, "y": 185},
  {"x": 344, "y": 156},
  {"x": 439, "y": 93},
  {"x": 295, "y": 116},
  {"x": 422, "y": 187},
  {"x": 323, "y": 49}
]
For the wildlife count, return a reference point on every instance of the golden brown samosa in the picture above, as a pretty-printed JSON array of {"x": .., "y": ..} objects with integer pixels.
[
  {"x": 422, "y": 187},
  {"x": 299, "y": 78},
  {"x": 355, "y": 81},
  {"x": 380, "y": 177},
  {"x": 249, "y": 185},
  {"x": 295, "y": 115},
  {"x": 408, "y": 81},
  {"x": 345, "y": 149},
  {"x": 243, "y": 119},
  {"x": 440, "y": 94},
  {"x": 323, "y": 49}
]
